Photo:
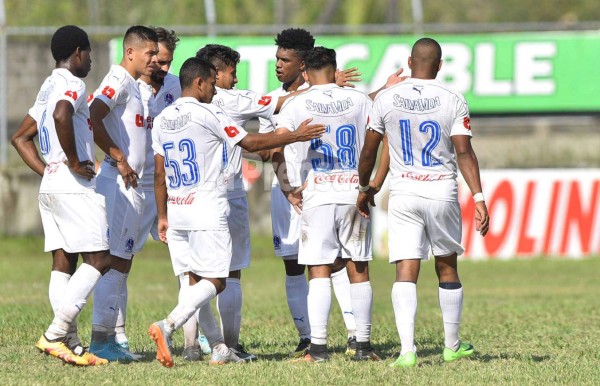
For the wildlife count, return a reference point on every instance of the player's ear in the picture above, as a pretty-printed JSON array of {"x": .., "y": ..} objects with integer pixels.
[
  {"x": 129, "y": 53},
  {"x": 302, "y": 66},
  {"x": 410, "y": 62},
  {"x": 305, "y": 76},
  {"x": 440, "y": 65}
]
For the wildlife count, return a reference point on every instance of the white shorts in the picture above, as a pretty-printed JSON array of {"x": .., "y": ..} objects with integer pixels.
[
  {"x": 286, "y": 224},
  {"x": 75, "y": 222},
  {"x": 333, "y": 230},
  {"x": 149, "y": 224},
  {"x": 418, "y": 225},
  {"x": 238, "y": 221},
  {"x": 206, "y": 253},
  {"x": 123, "y": 211}
]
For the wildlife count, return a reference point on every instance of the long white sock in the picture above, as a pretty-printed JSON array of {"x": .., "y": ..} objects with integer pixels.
[
  {"x": 191, "y": 299},
  {"x": 106, "y": 305},
  {"x": 341, "y": 288},
  {"x": 210, "y": 327},
  {"x": 296, "y": 289},
  {"x": 57, "y": 288},
  {"x": 319, "y": 305},
  {"x": 451, "y": 304},
  {"x": 404, "y": 300},
  {"x": 78, "y": 289},
  {"x": 362, "y": 304},
  {"x": 229, "y": 304},
  {"x": 56, "y": 292},
  {"x": 122, "y": 313},
  {"x": 190, "y": 328}
]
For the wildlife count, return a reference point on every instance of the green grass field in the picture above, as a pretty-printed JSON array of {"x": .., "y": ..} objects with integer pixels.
[{"x": 531, "y": 321}]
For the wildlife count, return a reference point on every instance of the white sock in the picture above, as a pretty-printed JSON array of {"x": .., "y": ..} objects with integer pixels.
[
  {"x": 296, "y": 289},
  {"x": 56, "y": 292},
  {"x": 451, "y": 304},
  {"x": 229, "y": 304},
  {"x": 341, "y": 288},
  {"x": 122, "y": 313},
  {"x": 191, "y": 299},
  {"x": 404, "y": 300},
  {"x": 210, "y": 327},
  {"x": 362, "y": 304},
  {"x": 79, "y": 288},
  {"x": 319, "y": 304},
  {"x": 57, "y": 288},
  {"x": 106, "y": 305},
  {"x": 190, "y": 328}
]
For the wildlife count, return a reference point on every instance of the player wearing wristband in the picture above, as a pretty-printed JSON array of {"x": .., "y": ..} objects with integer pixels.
[{"x": 426, "y": 124}]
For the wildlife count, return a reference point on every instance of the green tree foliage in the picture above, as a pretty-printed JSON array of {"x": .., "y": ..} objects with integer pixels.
[{"x": 296, "y": 12}]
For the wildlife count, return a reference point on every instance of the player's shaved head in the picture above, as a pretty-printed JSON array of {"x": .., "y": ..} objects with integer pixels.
[
  {"x": 168, "y": 38},
  {"x": 297, "y": 39},
  {"x": 194, "y": 68},
  {"x": 319, "y": 58},
  {"x": 426, "y": 54},
  {"x": 139, "y": 35},
  {"x": 220, "y": 56}
]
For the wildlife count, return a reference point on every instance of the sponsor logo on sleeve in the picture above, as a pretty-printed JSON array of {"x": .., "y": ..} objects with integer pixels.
[{"x": 264, "y": 100}]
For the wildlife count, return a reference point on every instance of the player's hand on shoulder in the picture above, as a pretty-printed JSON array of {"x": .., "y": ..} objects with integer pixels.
[
  {"x": 395, "y": 78},
  {"x": 482, "y": 218},
  {"x": 129, "y": 175},
  {"x": 306, "y": 131},
  {"x": 346, "y": 78},
  {"x": 83, "y": 169}
]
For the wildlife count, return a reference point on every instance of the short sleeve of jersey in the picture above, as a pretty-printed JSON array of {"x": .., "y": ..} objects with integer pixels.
[
  {"x": 375, "y": 119},
  {"x": 112, "y": 92},
  {"x": 251, "y": 104},
  {"x": 156, "y": 145},
  {"x": 462, "y": 121},
  {"x": 74, "y": 94},
  {"x": 285, "y": 119},
  {"x": 225, "y": 127},
  {"x": 267, "y": 125}
]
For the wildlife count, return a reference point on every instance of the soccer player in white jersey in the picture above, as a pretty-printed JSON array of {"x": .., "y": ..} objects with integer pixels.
[
  {"x": 292, "y": 44},
  {"x": 426, "y": 124},
  {"x": 191, "y": 195},
  {"x": 240, "y": 106},
  {"x": 117, "y": 115},
  {"x": 330, "y": 225},
  {"x": 73, "y": 214}
]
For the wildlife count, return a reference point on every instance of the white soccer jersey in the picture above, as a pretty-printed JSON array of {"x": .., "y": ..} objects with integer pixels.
[
  {"x": 268, "y": 125},
  {"x": 419, "y": 117},
  {"x": 190, "y": 136},
  {"x": 125, "y": 122},
  {"x": 329, "y": 164},
  {"x": 58, "y": 178},
  {"x": 241, "y": 106},
  {"x": 169, "y": 92}
]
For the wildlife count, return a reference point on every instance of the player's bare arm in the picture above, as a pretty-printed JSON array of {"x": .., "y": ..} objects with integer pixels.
[
  {"x": 346, "y": 78},
  {"x": 22, "y": 140},
  {"x": 63, "y": 121},
  {"x": 160, "y": 196},
  {"x": 98, "y": 111},
  {"x": 292, "y": 193},
  {"x": 383, "y": 168},
  {"x": 366, "y": 164},
  {"x": 393, "y": 79},
  {"x": 469, "y": 168},
  {"x": 305, "y": 132}
]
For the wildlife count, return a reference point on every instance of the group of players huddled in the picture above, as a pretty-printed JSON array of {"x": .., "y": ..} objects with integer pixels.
[{"x": 173, "y": 169}]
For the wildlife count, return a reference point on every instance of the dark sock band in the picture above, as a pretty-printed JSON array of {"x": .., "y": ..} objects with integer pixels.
[{"x": 450, "y": 286}]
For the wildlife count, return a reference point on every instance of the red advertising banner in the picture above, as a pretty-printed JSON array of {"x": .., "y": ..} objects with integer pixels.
[{"x": 534, "y": 212}]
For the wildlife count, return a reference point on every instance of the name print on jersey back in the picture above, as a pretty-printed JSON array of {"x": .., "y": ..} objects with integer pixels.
[{"x": 329, "y": 164}]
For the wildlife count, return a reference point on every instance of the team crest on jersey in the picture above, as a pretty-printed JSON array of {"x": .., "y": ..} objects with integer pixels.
[
  {"x": 277, "y": 242},
  {"x": 129, "y": 245},
  {"x": 169, "y": 98}
]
